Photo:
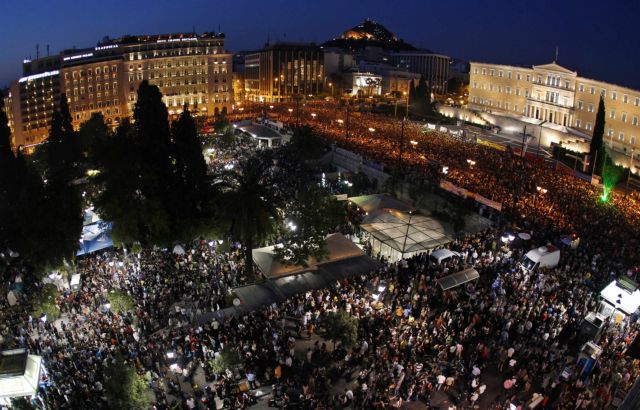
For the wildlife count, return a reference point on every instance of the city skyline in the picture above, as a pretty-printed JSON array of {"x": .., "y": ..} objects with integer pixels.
[{"x": 488, "y": 32}]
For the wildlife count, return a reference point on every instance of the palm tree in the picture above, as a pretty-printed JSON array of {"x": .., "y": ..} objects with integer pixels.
[{"x": 250, "y": 202}]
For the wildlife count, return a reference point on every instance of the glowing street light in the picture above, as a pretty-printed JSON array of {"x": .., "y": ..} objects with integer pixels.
[
  {"x": 340, "y": 121},
  {"x": 414, "y": 142},
  {"x": 313, "y": 114},
  {"x": 541, "y": 190},
  {"x": 290, "y": 110},
  {"x": 445, "y": 170},
  {"x": 271, "y": 107},
  {"x": 372, "y": 129},
  {"x": 471, "y": 162}
]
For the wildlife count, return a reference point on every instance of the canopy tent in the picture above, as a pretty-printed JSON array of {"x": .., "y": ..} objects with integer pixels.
[
  {"x": 95, "y": 236},
  {"x": 90, "y": 217},
  {"x": 370, "y": 203},
  {"x": 440, "y": 254},
  {"x": 397, "y": 235},
  {"x": 337, "y": 245},
  {"x": 458, "y": 278},
  {"x": 178, "y": 250},
  {"x": 19, "y": 374},
  {"x": 623, "y": 294}
]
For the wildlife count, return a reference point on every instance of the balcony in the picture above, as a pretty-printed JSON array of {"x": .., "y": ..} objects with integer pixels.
[
  {"x": 566, "y": 107},
  {"x": 557, "y": 87}
]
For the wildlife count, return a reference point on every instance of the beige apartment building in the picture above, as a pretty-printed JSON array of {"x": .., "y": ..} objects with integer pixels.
[
  {"x": 189, "y": 69},
  {"x": 557, "y": 98}
]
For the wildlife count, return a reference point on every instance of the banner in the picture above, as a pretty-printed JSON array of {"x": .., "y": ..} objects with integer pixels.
[
  {"x": 491, "y": 144},
  {"x": 448, "y": 186},
  {"x": 486, "y": 201},
  {"x": 454, "y": 189}
]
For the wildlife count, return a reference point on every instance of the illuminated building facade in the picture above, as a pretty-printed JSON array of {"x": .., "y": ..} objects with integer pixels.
[
  {"x": 433, "y": 67},
  {"x": 188, "y": 69},
  {"x": 560, "y": 98},
  {"x": 284, "y": 70},
  {"x": 7, "y": 99}
]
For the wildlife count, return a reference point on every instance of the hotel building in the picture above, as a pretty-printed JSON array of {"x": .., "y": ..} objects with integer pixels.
[
  {"x": 555, "y": 97},
  {"x": 283, "y": 70},
  {"x": 189, "y": 69}
]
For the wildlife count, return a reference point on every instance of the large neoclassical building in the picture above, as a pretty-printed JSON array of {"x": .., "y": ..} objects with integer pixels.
[
  {"x": 557, "y": 98},
  {"x": 190, "y": 69}
]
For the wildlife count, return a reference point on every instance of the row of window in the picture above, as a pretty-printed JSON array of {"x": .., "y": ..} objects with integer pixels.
[
  {"x": 175, "y": 52},
  {"x": 90, "y": 71}
]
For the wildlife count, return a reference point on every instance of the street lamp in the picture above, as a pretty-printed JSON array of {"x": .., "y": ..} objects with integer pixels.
[
  {"x": 471, "y": 162},
  {"x": 414, "y": 142},
  {"x": 331, "y": 85},
  {"x": 372, "y": 129},
  {"x": 541, "y": 191},
  {"x": 313, "y": 114},
  {"x": 340, "y": 121}
]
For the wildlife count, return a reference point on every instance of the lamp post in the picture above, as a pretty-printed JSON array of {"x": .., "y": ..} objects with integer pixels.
[
  {"x": 541, "y": 191},
  {"x": 630, "y": 167},
  {"x": 331, "y": 85}
]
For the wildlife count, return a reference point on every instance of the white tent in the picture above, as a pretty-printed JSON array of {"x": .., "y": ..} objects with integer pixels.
[
  {"x": 397, "y": 235},
  {"x": 178, "y": 250},
  {"x": 19, "y": 374}
]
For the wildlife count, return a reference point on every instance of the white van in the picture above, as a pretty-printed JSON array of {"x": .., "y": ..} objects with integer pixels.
[
  {"x": 542, "y": 257},
  {"x": 443, "y": 255}
]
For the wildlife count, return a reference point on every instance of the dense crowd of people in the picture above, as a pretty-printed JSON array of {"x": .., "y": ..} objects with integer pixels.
[{"x": 415, "y": 341}]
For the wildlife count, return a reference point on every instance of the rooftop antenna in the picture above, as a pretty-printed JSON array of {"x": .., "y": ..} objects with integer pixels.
[
  {"x": 47, "y": 50},
  {"x": 37, "y": 51},
  {"x": 556, "y": 60},
  {"x": 219, "y": 31}
]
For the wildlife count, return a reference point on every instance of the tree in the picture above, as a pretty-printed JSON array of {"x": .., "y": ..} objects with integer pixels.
[
  {"x": 139, "y": 183},
  {"x": 250, "y": 201},
  {"x": 305, "y": 144},
  {"x": 9, "y": 181},
  {"x": 308, "y": 221},
  {"x": 135, "y": 216},
  {"x": 124, "y": 388},
  {"x": 421, "y": 100},
  {"x": 61, "y": 214},
  {"x": 92, "y": 136},
  {"x": 225, "y": 359},
  {"x": 221, "y": 124},
  {"x": 44, "y": 302},
  {"x": 62, "y": 148},
  {"x": 191, "y": 168},
  {"x": 596, "y": 147},
  {"x": 340, "y": 327},
  {"x": 155, "y": 150},
  {"x": 120, "y": 302}
]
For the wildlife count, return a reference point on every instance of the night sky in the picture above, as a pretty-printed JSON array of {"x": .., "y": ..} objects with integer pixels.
[{"x": 599, "y": 39}]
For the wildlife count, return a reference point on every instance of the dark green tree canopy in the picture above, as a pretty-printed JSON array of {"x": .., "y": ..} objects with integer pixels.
[{"x": 596, "y": 147}]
